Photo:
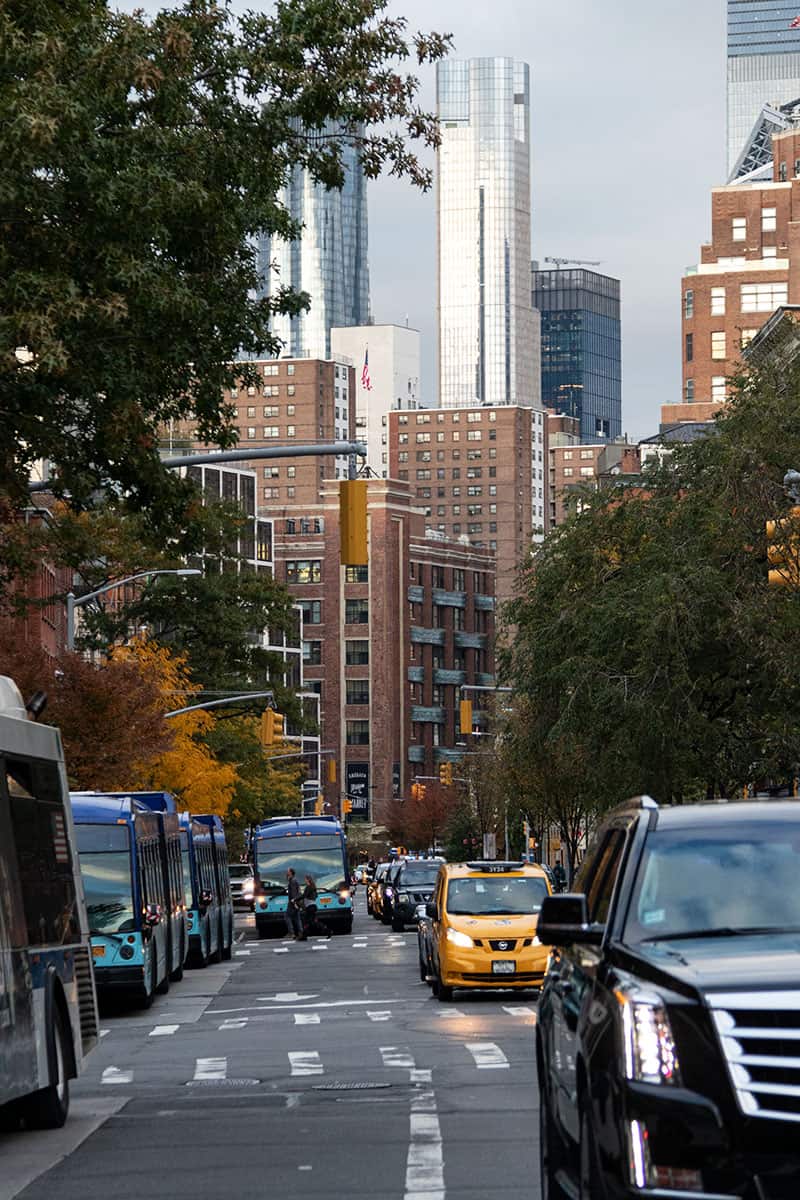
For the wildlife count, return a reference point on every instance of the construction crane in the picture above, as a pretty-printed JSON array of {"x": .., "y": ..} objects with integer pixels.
[{"x": 573, "y": 262}]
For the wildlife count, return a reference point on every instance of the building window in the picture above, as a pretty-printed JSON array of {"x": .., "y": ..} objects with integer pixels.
[
  {"x": 270, "y": 410},
  {"x": 290, "y": 369},
  {"x": 763, "y": 297},
  {"x": 272, "y": 493},
  {"x": 271, "y": 431},
  {"x": 688, "y": 391},
  {"x": 251, "y": 410},
  {"x": 587, "y": 470},
  {"x": 587, "y": 454},
  {"x": 290, "y": 430},
  {"x": 290, "y": 389},
  {"x": 271, "y": 472},
  {"x": 356, "y": 574},
  {"x": 356, "y": 653},
  {"x": 739, "y": 229},
  {"x": 689, "y": 350},
  {"x": 769, "y": 216},
  {"x": 425, "y": 474},
  {"x": 312, "y": 611},
  {"x": 423, "y": 456},
  {"x": 688, "y": 303},
  {"x": 459, "y": 580},
  {"x": 769, "y": 252},
  {"x": 437, "y": 577},
  {"x": 474, "y": 435},
  {"x": 357, "y": 691},
  {"x": 568, "y": 471},
  {"x": 357, "y": 733},
  {"x": 456, "y": 510},
  {"x": 303, "y": 570},
  {"x": 472, "y": 417},
  {"x": 747, "y": 336},
  {"x": 312, "y": 653},
  {"x": 402, "y": 456},
  {"x": 423, "y": 437},
  {"x": 718, "y": 388},
  {"x": 356, "y": 612},
  {"x": 251, "y": 433},
  {"x": 718, "y": 302},
  {"x": 718, "y": 341},
  {"x": 782, "y": 172}
]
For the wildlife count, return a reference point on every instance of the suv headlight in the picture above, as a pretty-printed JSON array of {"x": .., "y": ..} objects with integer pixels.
[
  {"x": 648, "y": 1043},
  {"x": 403, "y": 897},
  {"x": 458, "y": 938}
]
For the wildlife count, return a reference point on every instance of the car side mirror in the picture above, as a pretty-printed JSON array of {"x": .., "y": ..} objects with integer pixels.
[
  {"x": 564, "y": 921},
  {"x": 430, "y": 908}
]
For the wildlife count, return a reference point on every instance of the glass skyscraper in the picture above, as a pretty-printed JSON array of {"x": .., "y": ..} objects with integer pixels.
[
  {"x": 329, "y": 260},
  {"x": 488, "y": 332},
  {"x": 581, "y": 348},
  {"x": 763, "y": 64}
]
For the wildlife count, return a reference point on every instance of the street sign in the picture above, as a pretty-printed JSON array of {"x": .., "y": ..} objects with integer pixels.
[{"x": 357, "y": 786}]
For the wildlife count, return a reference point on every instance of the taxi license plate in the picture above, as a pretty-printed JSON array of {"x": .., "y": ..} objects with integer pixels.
[
  {"x": 98, "y": 951},
  {"x": 504, "y": 966},
  {"x": 325, "y": 900}
]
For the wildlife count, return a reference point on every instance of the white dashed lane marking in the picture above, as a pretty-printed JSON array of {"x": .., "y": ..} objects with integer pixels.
[
  {"x": 379, "y": 1016},
  {"x": 236, "y": 1023},
  {"x": 114, "y": 1075},
  {"x": 305, "y": 1062},
  {"x": 396, "y": 1056},
  {"x": 520, "y": 1010},
  {"x": 164, "y": 1030},
  {"x": 306, "y": 1018},
  {"x": 211, "y": 1068},
  {"x": 487, "y": 1055}
]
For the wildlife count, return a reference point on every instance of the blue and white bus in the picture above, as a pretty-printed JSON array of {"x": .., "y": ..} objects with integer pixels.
[
  {"x": 176, "y": 914},
  {"x": 314, "y": 846},
  {"x": 48, "y": 1010},
  {"x": 129, "y": 894},
  {"x": 207, "y": 888}
]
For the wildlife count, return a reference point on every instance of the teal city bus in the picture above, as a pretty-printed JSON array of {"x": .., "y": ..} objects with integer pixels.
[
  {"x": 207, "y": 888},
  {"x": 129, "y": 894},
  {"x": 314, "y": 846},
  {"x": 48, "y": 1010}
]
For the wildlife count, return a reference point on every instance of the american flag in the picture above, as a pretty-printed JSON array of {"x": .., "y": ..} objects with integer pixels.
[
  {"x": 366, "y": 382},
  {"x": 795, "y": 23}
]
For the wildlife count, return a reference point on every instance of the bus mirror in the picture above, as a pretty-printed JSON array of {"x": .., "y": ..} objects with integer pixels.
[{"x": 205, "y": 898}]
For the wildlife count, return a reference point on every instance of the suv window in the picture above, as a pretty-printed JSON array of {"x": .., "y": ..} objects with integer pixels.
[{"x": 601, "y": 887}]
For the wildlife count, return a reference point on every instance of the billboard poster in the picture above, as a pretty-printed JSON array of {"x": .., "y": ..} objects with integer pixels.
[{"x": 357, "y": 786}]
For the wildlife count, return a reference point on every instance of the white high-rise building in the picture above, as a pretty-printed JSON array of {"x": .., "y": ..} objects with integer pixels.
[
  {"x": 391, "y": 354},
  {"x": 763, "y": 64},
  {"x": 488, "y": 330}
]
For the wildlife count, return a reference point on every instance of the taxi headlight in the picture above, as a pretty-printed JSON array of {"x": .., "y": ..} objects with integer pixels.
[
  {"x": 458, "y": 938},
  {"x": 535, "y": 941},
  {"x": 649, "y": 1045}
]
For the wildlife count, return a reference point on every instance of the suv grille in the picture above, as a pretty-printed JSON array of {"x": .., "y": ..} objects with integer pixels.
[{"x": 760, "y": 1037}]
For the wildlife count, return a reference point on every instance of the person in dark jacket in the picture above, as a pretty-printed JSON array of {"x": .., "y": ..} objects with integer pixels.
[
  {"x": 293, "y": 922},
  {"x": 311, "y": 922}
]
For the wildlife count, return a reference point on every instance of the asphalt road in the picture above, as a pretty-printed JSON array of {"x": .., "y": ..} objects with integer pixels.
[{"x": 322, "y": 1069}]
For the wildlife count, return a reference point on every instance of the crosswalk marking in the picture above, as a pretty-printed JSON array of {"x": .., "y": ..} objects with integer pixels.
[
  {"x": 421, "y": 1075},
  {"x": 211, "y": 1068},
  {"x": 114, "y": 1075},
  {"x": 384, "y": 1015},
  {"x": 306, "y": 1018},
  {"x": 305, "y": 1062},
  {"x": 450, "y": 1012},
  {"x": 519, "y": 1010},
  {"x": 487, "y": 1055},
  {"x": 163, "y": 1030},
  {"x": 396, "y": 1056}
]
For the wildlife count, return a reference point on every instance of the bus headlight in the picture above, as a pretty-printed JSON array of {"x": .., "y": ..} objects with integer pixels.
[
  {"x": 649, "y": 1045},
  {"x": 344, "y": 894},
  {"x": 126, "y": 951}
]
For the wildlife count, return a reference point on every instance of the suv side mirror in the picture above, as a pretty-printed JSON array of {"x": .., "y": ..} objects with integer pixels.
[
  {"x": 430, "y": 908},
  {"x": 564, "y": 921}
]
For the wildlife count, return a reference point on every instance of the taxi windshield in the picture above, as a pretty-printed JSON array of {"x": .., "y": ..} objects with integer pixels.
[{"x": 496, "y": 896}]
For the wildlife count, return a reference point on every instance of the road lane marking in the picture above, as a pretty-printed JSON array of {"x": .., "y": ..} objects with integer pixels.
[
  {"x": 305, "y": 1062},
  {"x": 520, "y": 1010},
  {"x": 242, "y": 953},
  {"x": 163, "y": 1030},
  {"x": 306, "y": 1018},
  {"x": 281, "y": 950},
  {"x": 425, "y": 1161},
  {"x": 104, "y": 1032},
  {"x": 319, "y": 946},
  {"x": 222, "y": 1012},
  {"x": 450, "y": 1012},
  {"x": 385, "y": 1015},
  {"x": 487, "y": 1055},
  {"x": 114, "y": 1075},
  {"x": 421, "y": 1075},
  {"x": 236, "y": 1023},
  {"x": 211, "y": 1068},
  {"x": 290, "y": 997},
  {"x": 396, "y": 1056}
]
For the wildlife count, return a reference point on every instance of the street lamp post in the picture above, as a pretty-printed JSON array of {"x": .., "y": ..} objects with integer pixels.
[{"x": 74, "y": 601}]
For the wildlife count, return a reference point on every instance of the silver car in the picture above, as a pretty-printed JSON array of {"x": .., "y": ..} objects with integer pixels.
[{"x": 242, "y": 885}]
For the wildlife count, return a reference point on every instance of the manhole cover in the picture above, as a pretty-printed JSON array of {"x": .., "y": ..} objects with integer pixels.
[
  {"x": 231, "y": 1083},
  {"x": 349, "y": 1087}
]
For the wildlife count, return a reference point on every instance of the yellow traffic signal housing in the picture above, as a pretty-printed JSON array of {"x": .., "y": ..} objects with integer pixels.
[
  {"x": 319, "y": 805},
  {"x": 418, "y": 791},
  {"x": 783, "y": 550},
  {"x": 446, "y": 774},
  {"x": 353, "y": 522},
  {"x": 331, "y": 770},
  {"x": 271, "y": 727},
  {"x": 347, "y": 806},
  {"x": 465, "y": 714}
]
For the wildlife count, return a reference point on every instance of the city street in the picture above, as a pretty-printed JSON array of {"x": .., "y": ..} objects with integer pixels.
[{"x": 318, "y": 1069}]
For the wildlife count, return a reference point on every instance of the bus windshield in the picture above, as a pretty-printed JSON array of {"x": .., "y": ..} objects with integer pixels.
[
  {"x": 319, "y": 856},
  {"x": 186, "y": 862},
  {"x": 106, "y": 869}
]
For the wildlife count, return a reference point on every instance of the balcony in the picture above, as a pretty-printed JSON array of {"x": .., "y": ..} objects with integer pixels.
[
  {"x": 449, "y": 599},
  {"x": 443, "y": 675},
  {"x": 416, "y": 674},
  {"x": 433, "y": 715},
  {"x": 416, "y": 594},
  {"x": 464, "y": 640},
  {"x": 485, "y": 680},
  {"x": 416, "y": 754},
  {"x": 483, "y": 603},
  {"x": 427, "y": 637}
]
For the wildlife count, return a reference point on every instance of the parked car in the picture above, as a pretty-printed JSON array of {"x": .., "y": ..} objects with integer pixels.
[
  {"x": 667, "y": 1032},
  {"x": 411, "y": 884},
  {"x": 242, "y": 885}
]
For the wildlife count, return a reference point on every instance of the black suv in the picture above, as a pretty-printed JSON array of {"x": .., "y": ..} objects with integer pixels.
[
  {"x": 409, "y": 884},
  {"x": 668, "y": 1031}
]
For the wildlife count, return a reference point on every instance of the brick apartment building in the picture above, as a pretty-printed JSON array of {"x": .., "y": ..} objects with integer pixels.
[
  {"x": 387, "y": 646},
  {"x": 750, "y": 267},
  {"x": 573, "y": 464},
  {"x": 479, "y": 475}
]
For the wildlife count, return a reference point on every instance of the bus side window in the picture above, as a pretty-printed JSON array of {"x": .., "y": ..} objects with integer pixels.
[{"x": 43, "y": 852}]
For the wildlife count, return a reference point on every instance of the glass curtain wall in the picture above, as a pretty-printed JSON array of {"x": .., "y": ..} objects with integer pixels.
[{"x": 763, "y": 64}]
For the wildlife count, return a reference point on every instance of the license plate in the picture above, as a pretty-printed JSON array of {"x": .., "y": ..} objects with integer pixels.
[
  {"x": 504, "y": 966},
  {"x": 98, "y": 951},
  {"x": 325, "y": 900}
]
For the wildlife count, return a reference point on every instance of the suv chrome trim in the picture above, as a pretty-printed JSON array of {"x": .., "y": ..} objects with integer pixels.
[{"x": 756, "y": 1050}]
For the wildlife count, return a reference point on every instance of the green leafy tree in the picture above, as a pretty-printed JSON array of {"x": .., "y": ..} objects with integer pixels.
[{"x": 142, "y": 157}]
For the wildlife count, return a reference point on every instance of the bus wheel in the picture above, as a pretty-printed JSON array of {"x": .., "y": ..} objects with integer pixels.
[
  {"x": 227, "y": 948},
  {"x": 48, "y": 1108}
]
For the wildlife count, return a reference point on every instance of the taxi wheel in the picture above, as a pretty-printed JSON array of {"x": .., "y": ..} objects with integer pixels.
[{"x": 443, "y": 993}]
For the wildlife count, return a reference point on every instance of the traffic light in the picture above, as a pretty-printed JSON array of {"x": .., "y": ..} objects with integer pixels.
[
  {"x": 319, "y": 805},
  {"x": 783, "y": 550},
  {"x": 331, "y": 770},
  {"x": 465, "y": 714},
  {"x": 418, "y": 791},
  {"x": 446, "y": 774},
  {"x": 271, "y": 727},
  {"x": 347, "y": 806},
  {"x": 353, "y": 522}
]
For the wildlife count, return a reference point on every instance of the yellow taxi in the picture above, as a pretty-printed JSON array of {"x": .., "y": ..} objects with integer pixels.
[{"x": 483, "y": 926}]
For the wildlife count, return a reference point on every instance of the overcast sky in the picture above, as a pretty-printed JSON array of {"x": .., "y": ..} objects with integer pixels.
[{"x": 628, "y": 137}]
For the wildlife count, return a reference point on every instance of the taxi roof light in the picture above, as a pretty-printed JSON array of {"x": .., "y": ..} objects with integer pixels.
[{"x": 498, "y": 868}]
